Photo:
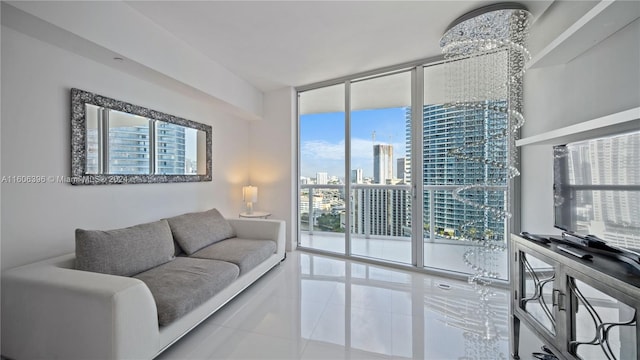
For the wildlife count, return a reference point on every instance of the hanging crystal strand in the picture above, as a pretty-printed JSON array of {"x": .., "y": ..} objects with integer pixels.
[
  {"x": 479, "y": 39},
  {"x": 485, "y": 60}
]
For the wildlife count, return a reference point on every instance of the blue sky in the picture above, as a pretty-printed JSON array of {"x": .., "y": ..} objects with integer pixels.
[{"x": 322, "y": 139}]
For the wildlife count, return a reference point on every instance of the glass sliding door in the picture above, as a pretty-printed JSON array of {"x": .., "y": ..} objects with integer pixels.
[
  {"x": 322, "y": 212},
  {"x": 381, "y": 157},
  {"x": 460, "y": 146},
  {"x": 380, "y": 190}
]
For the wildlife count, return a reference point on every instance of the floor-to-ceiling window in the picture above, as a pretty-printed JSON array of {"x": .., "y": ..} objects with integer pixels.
[
  {"x": 377, "y": 175},
  {"x": 322, "y": 157},
  {"x": 476, "y": 133},
  {"x": 380, "y": 187}
]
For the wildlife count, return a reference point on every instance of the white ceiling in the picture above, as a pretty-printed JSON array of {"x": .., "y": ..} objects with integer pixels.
[{"x": 272, "y": 44}]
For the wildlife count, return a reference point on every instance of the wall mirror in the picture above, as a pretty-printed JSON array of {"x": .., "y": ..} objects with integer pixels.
[{"x": 114, "y": 142}]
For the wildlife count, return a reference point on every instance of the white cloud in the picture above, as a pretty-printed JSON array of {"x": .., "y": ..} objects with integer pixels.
[
  {"x": 321, "y": 155},
  {"x": 360, "y": 149},
  {"x": 320, "y": 149}
]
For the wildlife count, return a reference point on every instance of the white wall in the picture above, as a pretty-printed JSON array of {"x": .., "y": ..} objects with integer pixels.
[
  {"x": 274, "y": 159},
  {"x": 601, "y": 81},
  {"x": 138, "y": 38},
  {"x": 38, "y": 220},
  {"x": 555, "y": 20}
]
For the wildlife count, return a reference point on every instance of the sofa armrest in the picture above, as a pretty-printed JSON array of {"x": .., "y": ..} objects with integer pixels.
[
  {"x": 50, "y": 310},
  {"x": 261, "y": 229}
]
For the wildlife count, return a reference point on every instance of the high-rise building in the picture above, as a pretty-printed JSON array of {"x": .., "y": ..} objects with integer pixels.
[
  {"x": 356, "y": 176},
  {"x": 612, "y": 215},
  {"x": 171, "y": 151},
  {"x": 382, "y": 163},
  {"x": 129, "y": 150},
  {"x": 322, "y": 178},
  {"x": 446, "y": 129},
  {"x": 381, "y": 212},
  {"x": 402, "y": 172}
]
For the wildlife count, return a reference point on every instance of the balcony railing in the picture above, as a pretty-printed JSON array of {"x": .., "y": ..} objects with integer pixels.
[{"x": 382, "y": 210}]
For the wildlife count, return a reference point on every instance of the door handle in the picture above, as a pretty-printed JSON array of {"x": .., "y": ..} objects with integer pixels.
[{"x": 557, "y": 297}]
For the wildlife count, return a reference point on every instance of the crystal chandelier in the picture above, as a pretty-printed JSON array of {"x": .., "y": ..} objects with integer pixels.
[{"x": 485, "y": 57}]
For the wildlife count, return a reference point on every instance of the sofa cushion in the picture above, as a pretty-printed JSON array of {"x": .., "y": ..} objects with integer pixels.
[
  {"x": 194, "y": 231},
  {"x": 124, "y": 252},
  {"x": 181, "y": 285},
  {"x": 246, "y": 253}
]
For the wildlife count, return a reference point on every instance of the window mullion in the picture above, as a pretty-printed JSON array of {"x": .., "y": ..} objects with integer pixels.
[
  {"x": 153, "y": 147},
  {"x": 104, "y": 166},
  {"x": 347, "y": 167},
  {"x": 417, "y": 212}
]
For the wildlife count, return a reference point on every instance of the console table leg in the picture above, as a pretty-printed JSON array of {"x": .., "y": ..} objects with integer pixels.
[{"x": 515, "y": 339}]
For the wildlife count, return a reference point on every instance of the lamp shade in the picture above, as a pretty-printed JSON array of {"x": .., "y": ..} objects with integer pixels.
[{"x": 250, "y": 193}]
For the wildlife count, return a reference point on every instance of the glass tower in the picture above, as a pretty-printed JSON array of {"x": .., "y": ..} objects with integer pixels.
[{"x": 446, "y": 129}]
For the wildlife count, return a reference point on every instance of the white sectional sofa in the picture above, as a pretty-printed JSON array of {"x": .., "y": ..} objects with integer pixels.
[{"x": 52, "y": 310}]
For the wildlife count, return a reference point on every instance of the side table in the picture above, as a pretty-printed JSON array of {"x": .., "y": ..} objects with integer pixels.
[{"x": 255, "y": 215}]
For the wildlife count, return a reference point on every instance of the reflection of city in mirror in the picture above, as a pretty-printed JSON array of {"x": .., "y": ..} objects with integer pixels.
[{"x": 115, "y": 142}]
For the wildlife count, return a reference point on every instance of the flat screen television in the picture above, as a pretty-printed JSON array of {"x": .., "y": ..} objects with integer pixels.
[{"x": 596, "y": 188}]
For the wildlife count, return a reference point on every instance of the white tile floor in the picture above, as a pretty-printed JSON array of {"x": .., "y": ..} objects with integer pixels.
[
  {"x": 443, "y": 255},
  {"x": 319, "y": 307}
]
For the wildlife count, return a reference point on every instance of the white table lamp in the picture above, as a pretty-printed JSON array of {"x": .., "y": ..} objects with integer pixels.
[{"x": 249, "y": 196}]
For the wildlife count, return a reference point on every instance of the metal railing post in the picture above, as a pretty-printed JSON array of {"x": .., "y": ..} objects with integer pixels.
[
  {"x": 432, "y": 217},
  {"x": 367, "y": 209},
  {"x": 311, "y": 214}
]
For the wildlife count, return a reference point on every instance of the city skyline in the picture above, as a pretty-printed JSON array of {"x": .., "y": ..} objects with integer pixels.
[
  {"x": 386, "y": 211},
  {"x": 384, "y": 169},
  {"x": 322, "y": 140}
]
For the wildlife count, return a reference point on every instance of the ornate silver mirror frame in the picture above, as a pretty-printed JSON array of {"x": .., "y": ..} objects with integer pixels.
[{"x": 101, "y": 175}]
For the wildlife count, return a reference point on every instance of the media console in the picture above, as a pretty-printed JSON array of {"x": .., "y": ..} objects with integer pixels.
[{"x": 581, "y": 304}]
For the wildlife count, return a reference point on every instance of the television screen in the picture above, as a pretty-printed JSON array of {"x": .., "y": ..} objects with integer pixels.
[{"x": 597, "y": 188}]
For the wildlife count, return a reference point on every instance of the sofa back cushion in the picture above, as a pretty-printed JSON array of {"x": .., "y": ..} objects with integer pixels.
[
  {"x": 193, "y": 231},
  {"x": 125, "y": 252}
]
